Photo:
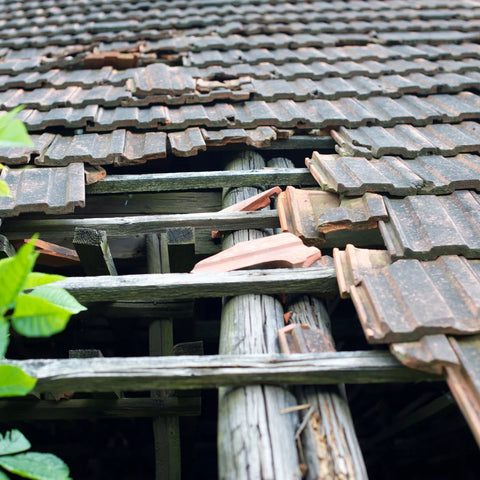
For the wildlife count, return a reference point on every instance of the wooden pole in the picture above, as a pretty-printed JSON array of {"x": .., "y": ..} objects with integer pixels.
[
  {"x": 254, "y": 440},
  {"x": 327, "y": 444}
]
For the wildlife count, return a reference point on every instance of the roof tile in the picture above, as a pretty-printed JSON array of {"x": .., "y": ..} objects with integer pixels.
[{"x": 49, "y": 190}]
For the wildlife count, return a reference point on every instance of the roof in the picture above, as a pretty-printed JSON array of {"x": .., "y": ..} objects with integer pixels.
[{"x": 383, "y": 97}]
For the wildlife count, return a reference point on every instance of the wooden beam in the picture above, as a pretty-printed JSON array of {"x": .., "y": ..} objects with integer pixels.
[
  {"x": 145, "y": 310},
  {"x": 160, "y": 182},
  {"x": 82, "y": 409},
  {"x": 254, "y": 439},
  {"x": 94, "y": 252},
  {"x": 211, "y": 371},
  {"x": 328, "y": 444},
  {"x": 152, "y": 245},
  {"x": 181, "y": 248},
  {"x": 141, "y": 224},
  {"x": 302, "y": 142},
  {"x": 166, "y": 430},
  {"x": 177, "y": 286}
]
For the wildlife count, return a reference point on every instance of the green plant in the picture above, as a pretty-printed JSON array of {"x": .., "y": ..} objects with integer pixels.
[
  {"x": 12, "y": 131},
  {"x": 34, "y": 308},
  {"x": 34, "y": 465},
  {"x": 12, "y": 134}
]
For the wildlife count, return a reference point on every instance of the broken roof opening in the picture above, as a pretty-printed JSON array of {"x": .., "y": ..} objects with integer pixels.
[{"x": 365, "y": 115}]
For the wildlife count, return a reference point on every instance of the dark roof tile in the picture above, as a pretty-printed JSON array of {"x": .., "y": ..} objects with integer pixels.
[
  {"x": 409, "y": 299},
  {"x": 187, "y": 143},
  {"x": 426, "y": 226},
  {"x": 49, "y": 190},
  {"x": 408, "y": 141}
]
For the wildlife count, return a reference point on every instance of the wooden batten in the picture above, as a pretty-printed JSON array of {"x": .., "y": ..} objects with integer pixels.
[{"x": 159, "y": 182}]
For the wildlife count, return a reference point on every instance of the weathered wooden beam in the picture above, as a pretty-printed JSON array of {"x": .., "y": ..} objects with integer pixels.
[
  {"x": 296, "y": 142},
  {"x": 211, "y": 371},
  {"x": 154, "y": 261},
  {"x": 254, "y": 439},
  {"x": 181, "y": 248},
  {"x": 141, "y": 224},
  {"x": 159, "y": 182},
  {"x": 166, "y": 430},
  {"x": 80, "y": 409},
  {"x": 302, "y": 142},
  {"x": 329, "y": 445},
  {"x": 177, "y": 286},
  {"x": 94, "y": 252},
  {"x": 158, "y": 203}
]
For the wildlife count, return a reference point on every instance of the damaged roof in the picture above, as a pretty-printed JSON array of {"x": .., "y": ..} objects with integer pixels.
[{"x": 393, "y": 85}]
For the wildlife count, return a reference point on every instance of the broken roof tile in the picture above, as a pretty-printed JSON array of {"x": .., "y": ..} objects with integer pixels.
[
  {"x": 255, "y": 202},
  {"x": 49, "y": 190},
  {"x": 353, "y": 214},
  {"x": 258, "y": 137},
  {"x": 283, "y": 250},
  {"x": 409, "y": 299},
  {"x": 299, "y": 209},
  {"x": 426, "y": 226},
  {"x": 431, "y": 353},
  {"x": 464, "y": 382},
  {"x": 187, "y": 143}
]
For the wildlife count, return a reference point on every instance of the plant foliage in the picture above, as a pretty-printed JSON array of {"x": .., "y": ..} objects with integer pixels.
[
  {"x": 34, "y": 465},
  {"x": 33, "y": 307}
]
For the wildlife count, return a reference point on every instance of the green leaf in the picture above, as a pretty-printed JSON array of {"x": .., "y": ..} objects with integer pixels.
[
  {"x": 14, "y": 381},
  {"x": 3, "y": 476},
  {"x": 13, "y": 274},
  {"x": 37, "y": 466},
  {"x": 4, "y": 190},
  {"x": 4, "y": 336},
  {"x": 59, "y": 297},
  {"x": 35, "y": 279},
  {"x": 8, "y": 117},
  {"x": 13, "y": 132},
  {"x": 36, "y": 317},
  {"x": 13, "y": 442}
]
